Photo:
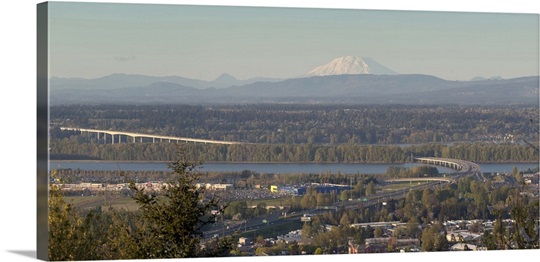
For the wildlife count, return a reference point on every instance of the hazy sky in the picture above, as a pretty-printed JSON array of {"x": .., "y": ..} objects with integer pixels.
[{"x": 96, "y": 39}]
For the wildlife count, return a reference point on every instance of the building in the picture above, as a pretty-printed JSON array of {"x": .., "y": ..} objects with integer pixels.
[
  {"x": 222, "y": 187},
  {"x": 244, "y": 241},
  {"x": 331, "y": 188}
]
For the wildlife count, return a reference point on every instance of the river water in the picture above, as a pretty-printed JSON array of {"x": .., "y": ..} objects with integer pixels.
[{"x": 275, "y": 168}]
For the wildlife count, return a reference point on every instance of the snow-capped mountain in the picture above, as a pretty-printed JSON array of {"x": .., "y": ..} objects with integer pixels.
[{"x": 351, "y": 65}]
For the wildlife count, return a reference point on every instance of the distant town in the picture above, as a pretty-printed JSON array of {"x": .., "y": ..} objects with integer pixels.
[
  {"x": 415, "y": 208},
  {"x": 276, "y": 221}
]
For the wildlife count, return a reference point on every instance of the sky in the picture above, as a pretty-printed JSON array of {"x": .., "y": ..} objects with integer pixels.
[{"x": 92, "y": 40}]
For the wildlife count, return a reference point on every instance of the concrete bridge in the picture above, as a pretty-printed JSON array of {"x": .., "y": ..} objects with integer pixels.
[
  {"x": 102, "y": 135},
  {"x": 455, "y": 164},
  {"x": 462, "y": 167}
]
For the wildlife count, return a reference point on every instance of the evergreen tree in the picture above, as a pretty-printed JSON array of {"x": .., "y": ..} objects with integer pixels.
[{"x": 173, "y": 221}]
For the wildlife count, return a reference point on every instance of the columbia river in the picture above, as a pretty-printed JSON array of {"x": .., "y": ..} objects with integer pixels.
[{"x": 274, "y": 168}]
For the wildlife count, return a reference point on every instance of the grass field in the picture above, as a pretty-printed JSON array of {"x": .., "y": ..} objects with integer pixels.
[{"x": 116, "y": 202}]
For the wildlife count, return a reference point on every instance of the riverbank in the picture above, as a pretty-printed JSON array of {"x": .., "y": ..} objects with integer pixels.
[{"x": 273, "y": 168}]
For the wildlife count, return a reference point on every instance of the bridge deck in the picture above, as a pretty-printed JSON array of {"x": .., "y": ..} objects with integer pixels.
[{"x": 140, "y": 135}]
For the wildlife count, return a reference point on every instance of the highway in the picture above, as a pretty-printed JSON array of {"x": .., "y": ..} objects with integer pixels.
[
  {"x": 271, "y": 219},
  {"x": 463, "y": 168}
]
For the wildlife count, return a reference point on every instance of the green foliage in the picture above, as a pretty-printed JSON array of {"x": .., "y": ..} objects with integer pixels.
[
  {"x": 174, "y": 221},
  {"x": 72, "y": 148},
  {"x": 433, "y": 239},
  {"x": 168, "y": 225},
  {"x": 72, "y": 235},
  {"x": 525, "y": 213},
  {"x": 370, "y": 189}
]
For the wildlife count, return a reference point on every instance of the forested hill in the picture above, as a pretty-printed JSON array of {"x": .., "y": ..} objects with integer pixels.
[{"x": 350, "y": 89}]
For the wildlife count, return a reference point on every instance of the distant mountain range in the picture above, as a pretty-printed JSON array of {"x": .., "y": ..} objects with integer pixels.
[
  {"x": 347, "y": 79},
  {"x": 133, "y": 80}
]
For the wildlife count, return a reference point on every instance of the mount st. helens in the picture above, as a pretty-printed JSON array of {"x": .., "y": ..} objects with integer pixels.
[
  {"x": 351, "y": 65},
  {"x": 348, "y": 79}
]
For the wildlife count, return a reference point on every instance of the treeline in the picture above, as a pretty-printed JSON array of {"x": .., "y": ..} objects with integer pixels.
[
  {"x": 302, "y": 124},
  {"x": 76, "y": 147},
  {"x": 417, "y": 171}
]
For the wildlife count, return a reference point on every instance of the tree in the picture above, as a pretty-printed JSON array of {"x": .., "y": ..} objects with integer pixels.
[
  {"x": 344, "y": 195},
  {"x": 378, "y": 232},
  {"x": 370, "y": 190},
  {"x": 412, "y": 227},
  {"x": 173, "y": 222},
  {"x": 525, "y": 226},
  {"x": 433, "y": 240},
  {"x": 500, "y": 234},
  {"x": 429, "y": 202},
  {"x": 64, "y": 225},
  {"x": 517, "y": 175},
  {"x": 74, "y": 235},
  {"x": 294, "y": 248},
  {"x": 344, "y": 221}
]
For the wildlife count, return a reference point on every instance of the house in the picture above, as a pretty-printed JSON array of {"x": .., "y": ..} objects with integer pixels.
[{"x": 376, "y": 248}]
